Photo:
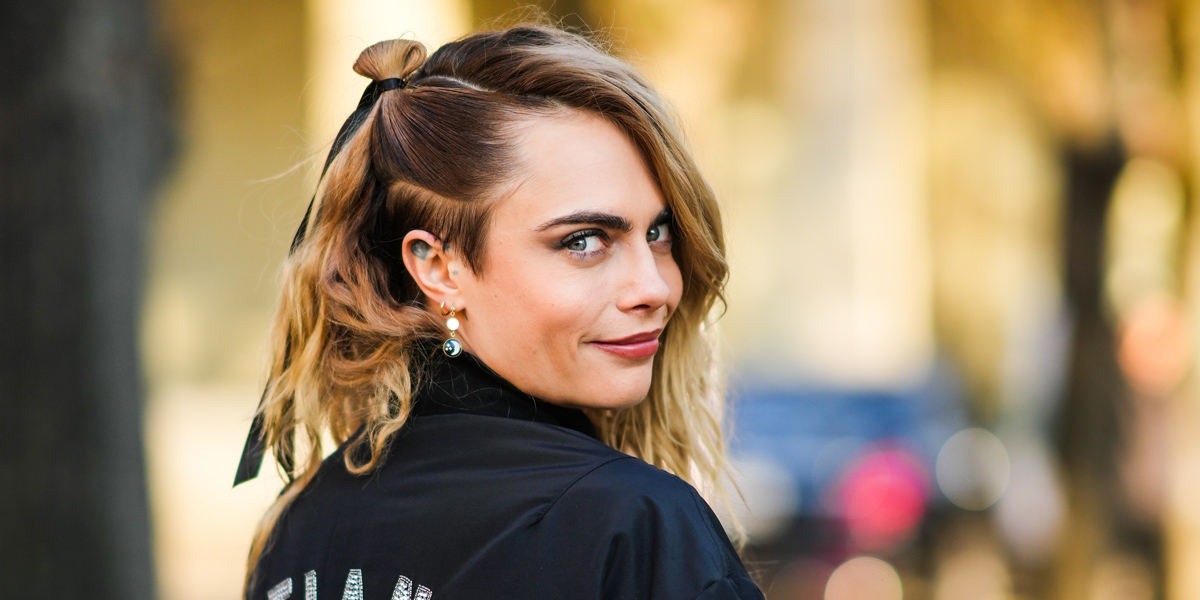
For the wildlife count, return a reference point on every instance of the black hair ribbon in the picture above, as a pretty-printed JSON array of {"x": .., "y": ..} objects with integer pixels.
[{"x": 256, "y": 444}]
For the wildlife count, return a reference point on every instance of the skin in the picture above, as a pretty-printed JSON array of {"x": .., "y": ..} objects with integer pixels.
[{"x": 538, "y": 312}]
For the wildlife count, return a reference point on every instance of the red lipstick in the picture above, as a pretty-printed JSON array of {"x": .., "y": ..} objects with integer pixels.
[{"x": 636, "y": 347}]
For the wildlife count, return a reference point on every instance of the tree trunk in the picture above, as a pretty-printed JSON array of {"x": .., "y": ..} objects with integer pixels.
[{"x": 84, "y": 139}]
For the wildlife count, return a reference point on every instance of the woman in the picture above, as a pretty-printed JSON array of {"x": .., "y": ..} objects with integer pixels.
[{"x": 499, "y": 302}]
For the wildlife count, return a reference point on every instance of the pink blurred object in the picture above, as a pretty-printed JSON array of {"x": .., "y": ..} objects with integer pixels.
[{"x": 882, "y": 498}]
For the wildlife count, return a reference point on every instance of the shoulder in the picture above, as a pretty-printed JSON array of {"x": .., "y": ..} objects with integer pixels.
[
  {"x": 654, "y": 528},
  {"x": 623, "y": 483},
  {"x": 633, "y": 530},
  {"x": 626, "y": 491}
]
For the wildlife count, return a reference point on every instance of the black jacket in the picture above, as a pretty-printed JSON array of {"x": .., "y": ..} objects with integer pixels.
[{"x": 487, "y": 493}]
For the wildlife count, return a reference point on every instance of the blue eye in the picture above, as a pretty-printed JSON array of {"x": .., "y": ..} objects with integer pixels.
[
  {"x": 584, "y": 244},
  {"x": 659, "y": 233}
]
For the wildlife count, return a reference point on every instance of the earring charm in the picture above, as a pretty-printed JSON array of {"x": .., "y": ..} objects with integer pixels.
[{"x": 452, "y": 347}]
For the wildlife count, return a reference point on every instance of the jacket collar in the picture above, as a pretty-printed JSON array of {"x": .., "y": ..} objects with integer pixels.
[{"x": 465, "y": 385}]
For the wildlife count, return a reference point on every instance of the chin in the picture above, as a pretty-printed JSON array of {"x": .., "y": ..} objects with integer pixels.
[{"x": 619, "y": 388}]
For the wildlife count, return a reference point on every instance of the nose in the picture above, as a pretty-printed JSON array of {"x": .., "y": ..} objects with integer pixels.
[{"x": 645, "y": 288}]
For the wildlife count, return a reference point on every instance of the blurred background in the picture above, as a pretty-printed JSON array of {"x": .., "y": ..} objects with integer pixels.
[{"x": 961, "y": 313}]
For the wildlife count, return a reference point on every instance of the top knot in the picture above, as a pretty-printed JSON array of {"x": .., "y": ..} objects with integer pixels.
[{"x": 390, "y": 59}]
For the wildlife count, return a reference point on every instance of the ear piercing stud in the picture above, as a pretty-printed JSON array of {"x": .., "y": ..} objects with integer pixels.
[{"x": 452, "y": 347}]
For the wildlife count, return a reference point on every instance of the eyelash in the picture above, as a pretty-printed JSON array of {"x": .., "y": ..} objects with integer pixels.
[
  {"x": 587, "y": 233},
  {"x": 582, "y": 235}
]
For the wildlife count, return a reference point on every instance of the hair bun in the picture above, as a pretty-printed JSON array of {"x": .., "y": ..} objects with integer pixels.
[{"x": 390, "y": 58}]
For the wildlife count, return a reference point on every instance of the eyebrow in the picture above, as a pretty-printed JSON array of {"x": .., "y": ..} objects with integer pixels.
[{"x": 601, "y": 219}]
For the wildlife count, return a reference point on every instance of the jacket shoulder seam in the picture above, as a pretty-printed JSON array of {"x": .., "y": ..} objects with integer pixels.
[{"x": 549, "y": 505}]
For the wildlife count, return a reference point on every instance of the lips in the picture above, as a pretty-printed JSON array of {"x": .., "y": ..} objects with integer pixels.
[{"x": 638, "y": 346}]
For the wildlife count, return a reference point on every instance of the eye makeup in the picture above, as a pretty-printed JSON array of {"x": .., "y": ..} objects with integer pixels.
[{"x": 571, "y": 243}]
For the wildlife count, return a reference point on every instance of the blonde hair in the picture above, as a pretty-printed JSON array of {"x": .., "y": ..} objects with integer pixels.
[{"x": 434, "y": 155}]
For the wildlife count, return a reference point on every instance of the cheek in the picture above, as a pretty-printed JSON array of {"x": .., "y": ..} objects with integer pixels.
[{"x": 531, "y": 307}]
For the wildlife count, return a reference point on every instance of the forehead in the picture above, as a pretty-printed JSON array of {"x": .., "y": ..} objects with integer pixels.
[{"x": 577, "y": 161}]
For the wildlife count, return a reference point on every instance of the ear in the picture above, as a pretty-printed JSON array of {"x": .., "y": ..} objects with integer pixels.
[{"x": 435, "y": 270}]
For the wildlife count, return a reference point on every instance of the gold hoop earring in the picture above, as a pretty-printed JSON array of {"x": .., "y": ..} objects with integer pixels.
[{"x": 452, "y": 347}]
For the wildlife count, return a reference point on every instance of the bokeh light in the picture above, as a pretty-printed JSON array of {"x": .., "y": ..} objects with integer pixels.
[
  {"x": 1031, "y": 512},
  {"x": 864, "y": 578},
  {"x": 1153, "y": 345},
  {"x": 882, "y": 498},
  {"x": 973, "y": 469},
  {"x": 770, "y": 494}
]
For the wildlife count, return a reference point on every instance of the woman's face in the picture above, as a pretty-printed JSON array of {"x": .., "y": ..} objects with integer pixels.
[{"x": 578, "y": 279}]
